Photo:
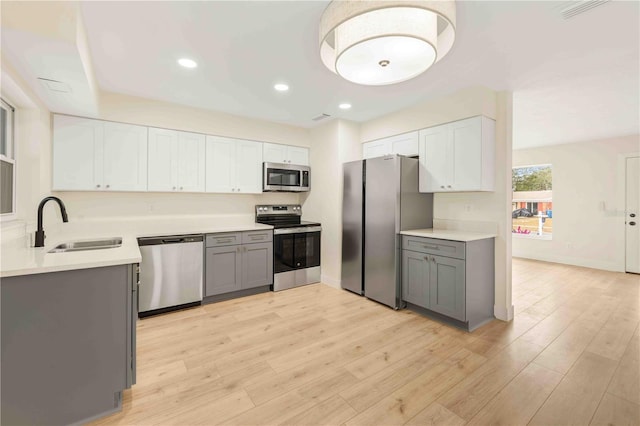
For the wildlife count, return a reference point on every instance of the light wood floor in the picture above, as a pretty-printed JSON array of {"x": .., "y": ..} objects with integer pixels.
[{"x": 318, "y": 355}]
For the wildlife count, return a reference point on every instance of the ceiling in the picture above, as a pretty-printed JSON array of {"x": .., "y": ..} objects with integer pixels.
[{"x": 573, "y": 80}]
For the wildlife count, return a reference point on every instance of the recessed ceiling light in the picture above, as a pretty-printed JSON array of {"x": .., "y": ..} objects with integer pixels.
[
  {"x": 344, "y": 106},
  {"x": 187, "y": 63},
  {"x": 281, "y": 87}
]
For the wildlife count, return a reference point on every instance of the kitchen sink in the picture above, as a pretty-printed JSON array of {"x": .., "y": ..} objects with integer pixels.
[{"x": 87, "y": 245}]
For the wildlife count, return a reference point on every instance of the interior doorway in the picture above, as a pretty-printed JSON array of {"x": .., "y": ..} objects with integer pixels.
[{"x": 632, "y": 212}]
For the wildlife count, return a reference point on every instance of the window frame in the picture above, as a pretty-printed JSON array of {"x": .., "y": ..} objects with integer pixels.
[
  {"x": 10, "y": 157},
  {"x": 532, "y": 236}
]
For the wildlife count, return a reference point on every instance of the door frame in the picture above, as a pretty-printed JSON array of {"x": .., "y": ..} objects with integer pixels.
[{"x": 620, "y": 212}]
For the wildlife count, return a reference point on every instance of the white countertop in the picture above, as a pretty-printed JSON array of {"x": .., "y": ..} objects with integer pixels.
[
  {"x": 448, "y": 234},
  {"x": 18, "y": 259}
]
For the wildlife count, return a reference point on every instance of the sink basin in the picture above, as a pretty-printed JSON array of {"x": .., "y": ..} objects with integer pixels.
[{"x": 87, "y": 245}]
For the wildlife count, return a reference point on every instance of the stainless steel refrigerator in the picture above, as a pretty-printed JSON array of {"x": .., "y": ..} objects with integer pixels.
[{"x": 380, "y": 199}]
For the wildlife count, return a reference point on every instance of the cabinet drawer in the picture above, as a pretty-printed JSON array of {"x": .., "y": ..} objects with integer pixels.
[
  {"x": 249, "y": 237},
  {"x": 227, "y": 239},
  {"x": 446, "y": 248}
]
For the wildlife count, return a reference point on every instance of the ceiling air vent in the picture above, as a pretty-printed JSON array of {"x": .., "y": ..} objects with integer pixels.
[
  {"x": 574, "y": 8},
  {"x": 55, "y": 85},
  {"x": 321, "y": 117}
]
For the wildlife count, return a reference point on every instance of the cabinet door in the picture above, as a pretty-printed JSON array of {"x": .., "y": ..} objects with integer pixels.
[
  {"x": 415, "y": 278},
  {"x": 257, "y": 265},
  {"x": 163, "y": 155},
  {"x": 77, "y": 153},
  {"x": 125, "y": 157},
  {"x": 405, "y": 144},
  {"x": 223, "y": 270},
  {"x": 447, "y": 287},
  {"x": 274, "y": 153},
  {"x": 465, "y": 141},
  {"x": 435, "y": 160},
  {"x": 191, "y": 162},
  {"x": 249, "y": 167},
  {"x": 220, "y": 164},
  {"x": 298, "y": 155},
  {"x": 375, "y": 149}
]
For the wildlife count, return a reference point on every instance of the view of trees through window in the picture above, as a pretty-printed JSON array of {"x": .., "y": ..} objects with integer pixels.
[{"x": 532, "y": 207}]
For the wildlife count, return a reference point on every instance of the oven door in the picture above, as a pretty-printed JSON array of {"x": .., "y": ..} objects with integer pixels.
[
  {"x": 296, "y": 248},
  {"x": 285, "y": 177}
]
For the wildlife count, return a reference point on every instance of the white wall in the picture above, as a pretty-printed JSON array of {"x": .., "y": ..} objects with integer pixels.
[
  {"x": 456, "y": 106},
  {"x": 332, "y": 144},
  {"x": 487, "y": 211},
  {"x": 588, "y": 203}
]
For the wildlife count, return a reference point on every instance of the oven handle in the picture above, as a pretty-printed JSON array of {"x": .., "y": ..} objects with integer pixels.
[{"x": 301, "y": 230}]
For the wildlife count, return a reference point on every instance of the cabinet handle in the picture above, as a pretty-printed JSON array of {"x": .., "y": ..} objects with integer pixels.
[
  {"x": 108, "y": 186},
  {"x": 426, "y": 258},
  {"x": 238, "y": 249},
  {"x": 442, "y": 186},
  {"x": 433, "y": 259},
  {"x": 448, "y": 186},
  {"x": 244, "y": 249},
  {"x": 180, "y": 188},
  {"x": 432, "y": 247},
  {"x": 227, "y": 240},
  {"x": 174, "y": 188},
  {"x": 98, "y": 186}
]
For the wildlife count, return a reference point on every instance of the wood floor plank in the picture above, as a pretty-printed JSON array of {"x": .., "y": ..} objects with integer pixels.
[
  {"x": 613, "y": 338},
  {"x": 333, "y": 411},
  {"x": 409, "y": 400},
  {"x": 577, "y": 396},
  {"x": 626, "y": 380},
  {"x": 435, "y": 415},
  {"x": 520, "y": 399},
  {"x": 615, "y": 411},
  {"x": 473, "y": 392}
]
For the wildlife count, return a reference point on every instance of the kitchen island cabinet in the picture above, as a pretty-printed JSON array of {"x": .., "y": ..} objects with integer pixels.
[
  {"x": 68, "y": 344},
  {"x": 452, "y": 280}
]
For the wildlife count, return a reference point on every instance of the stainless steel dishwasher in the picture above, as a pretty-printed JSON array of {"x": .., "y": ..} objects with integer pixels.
[{"x": 171, "y": 273}]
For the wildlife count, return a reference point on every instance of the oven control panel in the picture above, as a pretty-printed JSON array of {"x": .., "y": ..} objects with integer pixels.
[{"x": 279, "y": 209}]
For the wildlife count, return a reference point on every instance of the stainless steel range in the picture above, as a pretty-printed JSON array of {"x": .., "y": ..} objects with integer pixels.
[{"x": 296, "y": 245}]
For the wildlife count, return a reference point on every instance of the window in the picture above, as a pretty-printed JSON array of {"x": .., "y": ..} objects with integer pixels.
[
  {"x": 532, "y": 207},
  {"x": 7, "y": 161}
]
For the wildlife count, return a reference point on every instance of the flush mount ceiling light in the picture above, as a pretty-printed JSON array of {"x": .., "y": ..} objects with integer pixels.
[
  {"x": 187, "y": 63},
  {"x": 344, "y": 106},
  {"x": 375, "y": 43},
  {"x": 281, "y": 87}
]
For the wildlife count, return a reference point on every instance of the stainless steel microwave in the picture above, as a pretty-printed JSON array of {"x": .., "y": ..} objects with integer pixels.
[{"x": 285, "y": 177}]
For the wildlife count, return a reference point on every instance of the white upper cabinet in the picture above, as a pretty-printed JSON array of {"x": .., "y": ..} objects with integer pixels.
[
  {"x": 98, "y": 155},
  {"x": 176, "y": 161},
  {"x": 404, "y": 144},
  {"x": 276, "y": 153},
  {"x": 191, "y": 162},
  {"x": 77, "y": 153},
  {"x": 233, "y": 165},
  {"x": 458, "y": 156}
]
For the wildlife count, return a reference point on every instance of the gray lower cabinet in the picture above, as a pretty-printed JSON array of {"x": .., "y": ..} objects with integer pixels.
[
  {"x": 237, "y": 267},
  {"x": 458, "y": 285},
  {"x": 224, "y": 270},
  {"x": 68, "y": 344}
]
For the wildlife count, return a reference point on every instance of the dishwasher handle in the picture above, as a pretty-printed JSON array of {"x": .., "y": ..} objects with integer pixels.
[{"x": 171, "y": 239}]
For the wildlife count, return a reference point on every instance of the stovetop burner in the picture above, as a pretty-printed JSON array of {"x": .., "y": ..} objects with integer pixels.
[{"x": 282, "y": 216}]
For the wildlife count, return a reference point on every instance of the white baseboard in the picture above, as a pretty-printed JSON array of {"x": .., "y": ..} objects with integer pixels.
[
  {"x": 330, "y": 281},
  {"x": 503, "y": 313},
  {"x": 565, "y": 260}
]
